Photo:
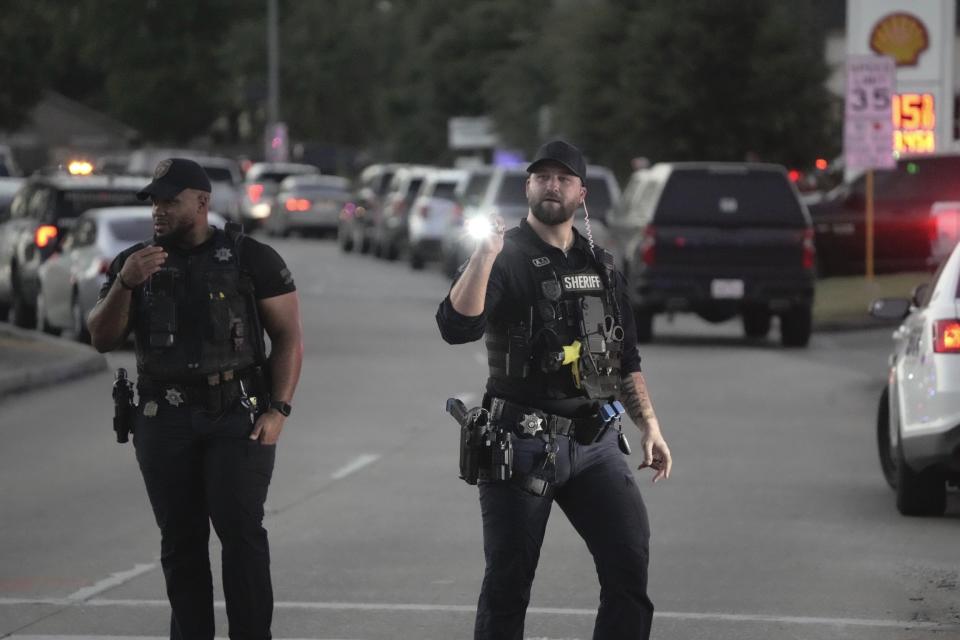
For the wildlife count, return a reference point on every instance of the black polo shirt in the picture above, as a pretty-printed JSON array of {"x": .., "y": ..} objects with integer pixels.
[{"x": 510, "y": 293}]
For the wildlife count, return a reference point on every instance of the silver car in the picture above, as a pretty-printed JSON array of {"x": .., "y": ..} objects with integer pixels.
[
  {"x": 70, "y": 279},
  {"x": 308, "y": 204},
  {"x": 918, "y": 419}
]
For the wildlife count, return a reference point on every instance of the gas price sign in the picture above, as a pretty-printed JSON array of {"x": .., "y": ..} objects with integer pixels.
[{"x": 914, "y": 119}]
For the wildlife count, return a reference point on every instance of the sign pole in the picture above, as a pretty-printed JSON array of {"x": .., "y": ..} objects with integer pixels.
[{"x": 868, "y": 228}]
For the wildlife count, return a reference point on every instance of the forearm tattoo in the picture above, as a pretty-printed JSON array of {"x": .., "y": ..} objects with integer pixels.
[{"x": 636, "y": 399}]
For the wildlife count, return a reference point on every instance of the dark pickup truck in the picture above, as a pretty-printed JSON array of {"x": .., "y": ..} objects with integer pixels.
[
  {"x": 718, "y": 240},
  {"x": 31, "y": 231}
]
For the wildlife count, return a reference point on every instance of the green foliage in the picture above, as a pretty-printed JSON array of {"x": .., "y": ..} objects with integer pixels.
[
  {"x": 23, "y": 32},
  {"x": 703, "y": 80},
  {"x": 696, "y": 79}
]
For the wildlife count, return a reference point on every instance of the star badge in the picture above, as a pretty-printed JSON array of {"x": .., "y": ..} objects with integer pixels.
[
  {"x": 174, "y": 397},
  {"x": 531, "y": 424},
  {"x": 223, "y": 254}
]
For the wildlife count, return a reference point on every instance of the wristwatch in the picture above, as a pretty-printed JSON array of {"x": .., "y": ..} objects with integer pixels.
[{"x": 282, "y": 407}]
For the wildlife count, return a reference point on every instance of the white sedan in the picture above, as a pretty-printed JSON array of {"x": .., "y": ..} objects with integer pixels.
[
  {"x": 70, "y": 279},
  {"x": 918, "y": 422}
]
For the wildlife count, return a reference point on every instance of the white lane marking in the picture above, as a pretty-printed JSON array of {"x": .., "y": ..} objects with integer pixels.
[
  {"x": 453, "y": 608},
  {"x": 114, "y": 580},
  {"x": 20, "y": 637},
  {"x": 355, "y": 465}
]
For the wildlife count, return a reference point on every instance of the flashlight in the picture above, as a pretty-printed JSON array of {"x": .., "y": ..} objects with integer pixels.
[{"x": 479, "y": 227}]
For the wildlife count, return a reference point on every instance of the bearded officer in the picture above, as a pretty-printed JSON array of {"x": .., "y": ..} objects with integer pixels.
[
  {"x": 197, "y": 300},
  {"x": 561, "y": 346}
]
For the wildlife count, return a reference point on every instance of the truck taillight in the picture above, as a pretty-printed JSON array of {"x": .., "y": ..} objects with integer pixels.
[
  {"x": 45, "y": 234},
  {"x": 648, "y": 247},
  {"x": 809, "y": 250},
  {"x": 946, "y": 336}
]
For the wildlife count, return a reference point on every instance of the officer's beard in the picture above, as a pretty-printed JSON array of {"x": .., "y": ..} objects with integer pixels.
[
  {"x": 551, "y": 212},
  {"x": 173, "y": 236}
]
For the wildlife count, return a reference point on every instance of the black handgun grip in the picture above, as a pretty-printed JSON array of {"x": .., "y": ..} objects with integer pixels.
[{"x": 458, "y": 410}]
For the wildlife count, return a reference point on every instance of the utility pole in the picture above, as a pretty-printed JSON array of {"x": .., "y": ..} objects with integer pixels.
[{"x": 273, "y": 64}]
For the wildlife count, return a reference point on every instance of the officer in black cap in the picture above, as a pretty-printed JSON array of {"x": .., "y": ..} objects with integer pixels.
[
  {"x": 211, "y": 404},
  {"x": 563, "y": 364}
]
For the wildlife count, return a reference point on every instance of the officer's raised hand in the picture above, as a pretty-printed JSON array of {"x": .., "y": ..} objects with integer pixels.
[
  {"x": 490, "y": 240},
  {"x": 142, "y": 264}
]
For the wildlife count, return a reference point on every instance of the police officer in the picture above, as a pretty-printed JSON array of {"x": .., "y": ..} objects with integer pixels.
[
  {"x": 561, "y": 347},
  {"x": 209, "y": 416}
]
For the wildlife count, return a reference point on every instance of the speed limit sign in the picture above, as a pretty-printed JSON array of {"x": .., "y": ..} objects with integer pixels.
[{"x": 868, "y": 118}]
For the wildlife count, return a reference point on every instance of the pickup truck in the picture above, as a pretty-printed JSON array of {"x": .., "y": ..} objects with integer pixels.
[
  {"x": 45, "y": 206},
  {"x": 718, "y": 240}
]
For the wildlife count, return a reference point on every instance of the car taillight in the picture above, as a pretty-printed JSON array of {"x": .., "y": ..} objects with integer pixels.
[
  {"x": 946, "y": 336},
  {"x": 45, "y": 234},
  {"x": 648, "y": 247},
  {"x": 397, "y": 207},
  {"x": 297, "y": 204},
  {"x": 423, "y": 210},
  {"x": 104, "y": 266},
  {"x": 254, "y": 192},
  {"x": 947, "y": 225},
  {"x": 809, "y": 250},
  {"x": 456, "y": 218}
]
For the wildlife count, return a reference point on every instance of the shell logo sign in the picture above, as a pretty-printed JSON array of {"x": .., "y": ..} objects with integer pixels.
[{"x": 902, "y": 36}]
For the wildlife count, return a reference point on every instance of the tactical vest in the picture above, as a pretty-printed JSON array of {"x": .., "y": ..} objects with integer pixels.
[
  {"x": 197, "y": 315},
  {"x": 574, "y": 324}
]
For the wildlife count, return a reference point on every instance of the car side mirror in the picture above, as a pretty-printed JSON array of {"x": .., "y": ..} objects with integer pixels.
[
  {"x": 919, "y": 295},
  {"x": 890, "y": 308}
]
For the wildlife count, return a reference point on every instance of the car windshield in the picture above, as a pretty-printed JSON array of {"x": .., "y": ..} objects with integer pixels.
[
  {"x": 131, "y": 229},
  {"x": 475, "y": 188},
  {"x": 445, "y": 190},
  {"x": 219, "y": 174},
  {"x": 927, "y": 179},
  {"x": 734, "y": 198},
  {"x": 73, "y": 203},
  {"x": 319, "y": 191},
  {"x": 599, "y": 198},
  {"x": 512, "y": 191},
  {"x": 274, "y": 176}
]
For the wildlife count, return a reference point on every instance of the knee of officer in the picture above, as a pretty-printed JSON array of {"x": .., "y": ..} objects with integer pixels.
[
  {"x": 624, "y": 568},
  {"x": 239, "y": 529},
  {"x": 183, "y": 539}
]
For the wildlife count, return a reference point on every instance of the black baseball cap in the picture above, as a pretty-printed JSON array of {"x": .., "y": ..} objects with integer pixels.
[
  {"x": 563, "y": 153},
  {"x": 172, "y": 176}
]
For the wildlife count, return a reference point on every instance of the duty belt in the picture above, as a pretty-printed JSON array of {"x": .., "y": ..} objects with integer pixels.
[
  {"x": 528, "y": 421},
  {"x": 214, "y": 391}
]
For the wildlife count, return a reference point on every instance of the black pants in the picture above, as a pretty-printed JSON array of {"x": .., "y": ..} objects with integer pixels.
[
  {"x": 200, "y": 468},
  {"x": 597, "y": 491}
]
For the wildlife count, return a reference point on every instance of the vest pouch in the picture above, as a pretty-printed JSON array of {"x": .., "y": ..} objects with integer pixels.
[
  {"x": 225, "y": 310},
  {"x": 163, "y": 321}
]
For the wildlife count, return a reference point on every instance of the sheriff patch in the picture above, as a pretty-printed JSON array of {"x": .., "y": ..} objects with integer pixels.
[{"x": 582, "y": 282}]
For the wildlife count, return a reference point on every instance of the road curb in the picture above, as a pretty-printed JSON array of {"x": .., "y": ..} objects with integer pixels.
[{"x": 40, "y": 360}]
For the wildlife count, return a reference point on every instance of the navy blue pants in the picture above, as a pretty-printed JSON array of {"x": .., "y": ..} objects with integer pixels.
[
  {"x": 200, "y": 468},
  {"x": 597, "y": 491}
]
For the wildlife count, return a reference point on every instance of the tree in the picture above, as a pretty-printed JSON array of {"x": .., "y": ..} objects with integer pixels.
[
  {"x": 701, "y": 80},
  {"x": 24, "y": 35}
]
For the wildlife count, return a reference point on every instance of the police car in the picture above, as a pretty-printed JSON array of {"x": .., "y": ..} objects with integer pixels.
[{"x": 918, "y": 419}]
